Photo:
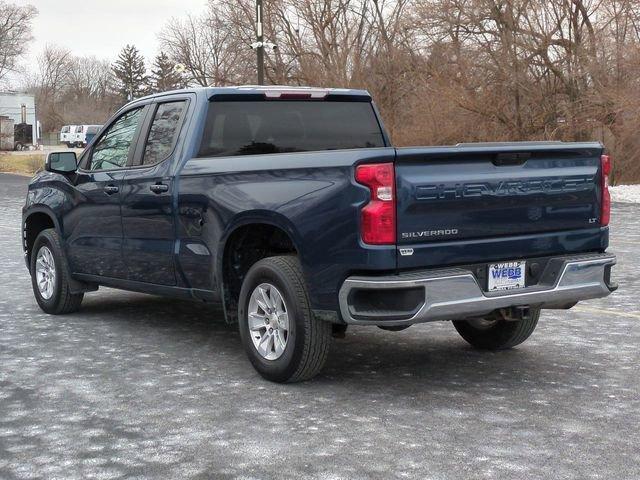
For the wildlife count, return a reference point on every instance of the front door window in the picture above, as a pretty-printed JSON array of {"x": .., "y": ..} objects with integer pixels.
[{"x": 112, "y": 149}]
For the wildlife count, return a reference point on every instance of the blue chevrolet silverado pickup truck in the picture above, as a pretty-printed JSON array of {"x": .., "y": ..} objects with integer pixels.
[{"x": 290, "y": 208}]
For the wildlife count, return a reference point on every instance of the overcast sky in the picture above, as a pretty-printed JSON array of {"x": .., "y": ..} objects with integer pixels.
[{"x": 102, "y": 27}]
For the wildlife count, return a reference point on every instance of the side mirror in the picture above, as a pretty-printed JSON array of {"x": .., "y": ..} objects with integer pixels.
[{"x": 61, "y": 162}]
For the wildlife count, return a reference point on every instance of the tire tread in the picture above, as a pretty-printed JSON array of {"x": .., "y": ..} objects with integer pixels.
[{"x": 318, "y": 335}]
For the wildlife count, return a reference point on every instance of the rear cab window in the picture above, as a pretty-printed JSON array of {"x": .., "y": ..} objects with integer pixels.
[
  {"x": 164, "y": 131},
  {"x": 281, "y": 126}
]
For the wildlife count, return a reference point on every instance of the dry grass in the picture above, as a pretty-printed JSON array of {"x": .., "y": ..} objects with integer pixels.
[{"x": 24, "y": 164}]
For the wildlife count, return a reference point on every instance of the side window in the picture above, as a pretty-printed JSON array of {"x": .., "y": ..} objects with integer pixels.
[
  {"x": 164, "y": 132},
  {"x": 65, "y": 129},
  {"x": 112, "y": 150}
]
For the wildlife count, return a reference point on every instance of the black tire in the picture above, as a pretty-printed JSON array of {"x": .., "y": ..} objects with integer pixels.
[
  {"x": 500, "y": 334},
  {"x": 62, "y": 300},
  {"x": 308, "y": 340}
]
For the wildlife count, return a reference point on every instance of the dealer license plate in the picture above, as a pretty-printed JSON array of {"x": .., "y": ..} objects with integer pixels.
[{"x": 506, "y": 276}]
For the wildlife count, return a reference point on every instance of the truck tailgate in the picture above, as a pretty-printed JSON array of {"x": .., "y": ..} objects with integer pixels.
[{"x": 497, "y": 201}]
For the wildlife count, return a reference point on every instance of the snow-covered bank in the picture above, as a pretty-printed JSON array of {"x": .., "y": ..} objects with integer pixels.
[{"x": 625, "y": 193}]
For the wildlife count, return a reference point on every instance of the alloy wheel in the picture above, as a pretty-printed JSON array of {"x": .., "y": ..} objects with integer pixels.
[
  {"x": 45, "y": 272},
  {"x": 268, "y": 321}
]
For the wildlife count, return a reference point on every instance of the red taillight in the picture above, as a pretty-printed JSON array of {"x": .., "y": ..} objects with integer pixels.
[
  {"x": 605, "y": 212},
  {"x": 378, "y": 220}
]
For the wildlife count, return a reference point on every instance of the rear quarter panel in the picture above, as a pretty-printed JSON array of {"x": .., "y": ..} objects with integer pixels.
[{"x": 312, "y": 196}]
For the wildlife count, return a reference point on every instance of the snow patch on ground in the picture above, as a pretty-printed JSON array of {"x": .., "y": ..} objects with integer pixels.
[{"x": 625, "y": 193}]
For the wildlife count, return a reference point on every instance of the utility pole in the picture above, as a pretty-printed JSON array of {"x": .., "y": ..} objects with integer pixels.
[{"x": 260, "y": 42}]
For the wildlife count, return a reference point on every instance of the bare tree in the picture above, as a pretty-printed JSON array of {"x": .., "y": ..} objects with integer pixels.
[
  {"x": 15, "y": 34},
  {"x": 52, "y": 80},
  {"x": 209, "y": 49},
  {"x": 534, "y": 69},
  {"x": 72, "y": 90}
]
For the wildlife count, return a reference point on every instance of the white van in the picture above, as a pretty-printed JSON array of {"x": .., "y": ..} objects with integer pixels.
[
  {"x": 67, "y": 134},
  {"x": 78, "y": 136}
]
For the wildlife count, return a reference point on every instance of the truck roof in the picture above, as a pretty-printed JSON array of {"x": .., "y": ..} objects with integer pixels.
[
  {"x": 277, "y": 90},
  {"x": 273, "y": 91}
]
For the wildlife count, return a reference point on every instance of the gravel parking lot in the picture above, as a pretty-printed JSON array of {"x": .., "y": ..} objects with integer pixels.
[{"x": 135, "y": 386}]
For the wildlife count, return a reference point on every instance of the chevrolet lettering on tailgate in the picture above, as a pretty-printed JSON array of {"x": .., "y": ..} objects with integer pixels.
[{"x": 445, "y": 191}]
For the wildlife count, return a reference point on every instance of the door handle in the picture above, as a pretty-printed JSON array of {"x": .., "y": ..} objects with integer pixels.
[
  {"x": 111, "y": 189},
  {"x": 159, "y": 188}
]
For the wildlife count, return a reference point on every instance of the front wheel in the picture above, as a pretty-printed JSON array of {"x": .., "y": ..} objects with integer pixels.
[
  {"x": 283, "y": 340},
  {"x": 49, "y": 277},
  {"x": 497, "y": 334}
]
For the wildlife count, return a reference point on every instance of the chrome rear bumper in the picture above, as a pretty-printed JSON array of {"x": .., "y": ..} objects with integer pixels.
[{"x": 454, "y": 293}]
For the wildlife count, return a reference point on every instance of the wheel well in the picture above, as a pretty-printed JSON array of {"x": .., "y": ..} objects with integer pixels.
[
  {"x": 247, "y": 245},
  {"x": 35, "y": 223}
]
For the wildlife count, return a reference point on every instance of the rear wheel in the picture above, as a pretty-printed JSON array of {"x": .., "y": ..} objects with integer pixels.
[
  {"x": 283, "y": 340},
  {"x": 49, "y": 276},
  {"x": 490, "y": 334}
]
